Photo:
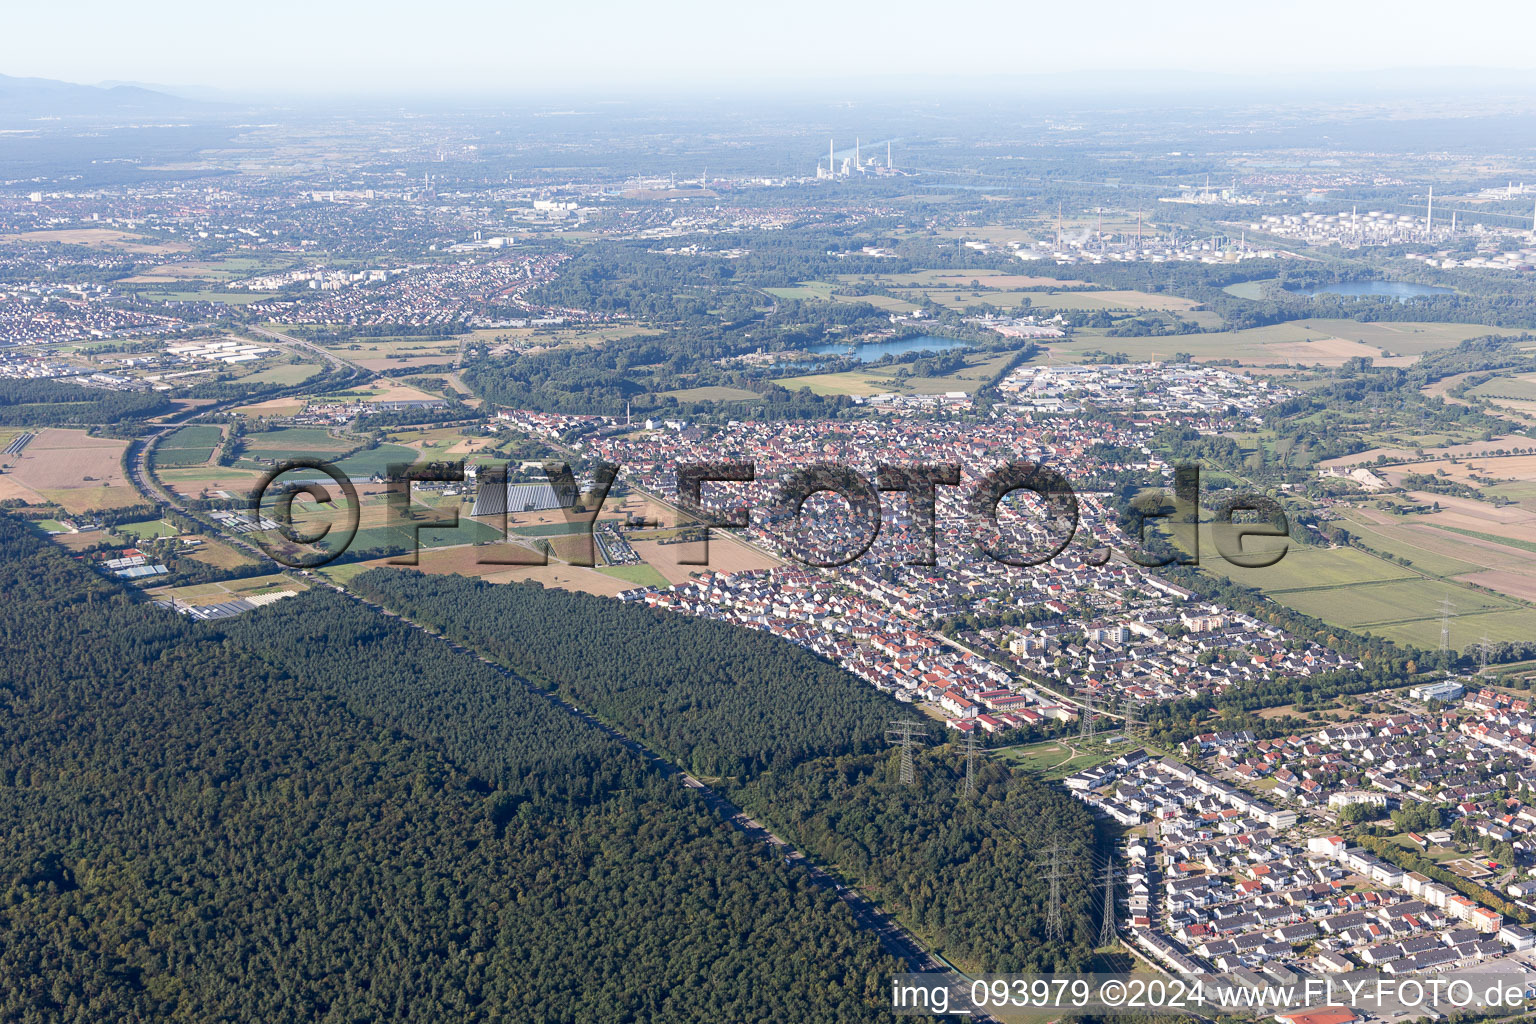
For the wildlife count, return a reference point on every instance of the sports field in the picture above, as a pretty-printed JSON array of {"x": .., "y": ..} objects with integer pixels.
[
  {"x": 229, "y": 590},
  {"x": 147, "y": 529}
]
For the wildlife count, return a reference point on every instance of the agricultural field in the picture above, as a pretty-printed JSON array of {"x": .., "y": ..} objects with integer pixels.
[
  {"x": 805, "y": 291},
  {"x": 637, "y": 575},
  {"x": 376, "y": 461},
  {"x": 1356, "y": 590},
  {"x": 1076, "y": 301},
  {"x": 466, "y": 561},
  {"x": 193, "y": 481},
  {"x": 1311, "y": 342},
  {"x": 824, "y": 291},
  {"x": 79, "y": 472},
  {"x": 383, "y": 389},
  {"x": 726, "y": 554},
  {"x": 272, "y": 407},
  {"x": 107, "y": 238},
  {"x": 213, "y": 294},
  {"x": 220, "y": 270},
  {"x": 533, "y": 338},
  {"x": 282, "y": 374},
  {"x": 878, "y": 381},
  {"x": 712, "y": 394},
  {"x": 381, "y": 528},
  {"x": 392, "y": 353},
  {"x": 219, "y": 555},
  {"x": 986, "y": 276},
  {"x": 1521, "y": 387},
  {"x": 189, "y": 446},
  {"x": 1454, "y": 451},
  {"x": 295, "y": 442}
]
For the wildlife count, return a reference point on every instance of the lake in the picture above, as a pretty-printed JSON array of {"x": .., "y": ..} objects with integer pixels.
[
  {"x": 1399, "y": 290},
  {"x": 872, "y": 350}
]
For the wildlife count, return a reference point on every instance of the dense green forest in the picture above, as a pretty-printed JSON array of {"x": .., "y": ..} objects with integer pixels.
[
  {"x": 47, "y": 403},
  {"x": 714, "y": 698},
  {"x": 319, "y": 813},
  {"x": 969, "y": 877},
  {"x": 802, "y": 741}
]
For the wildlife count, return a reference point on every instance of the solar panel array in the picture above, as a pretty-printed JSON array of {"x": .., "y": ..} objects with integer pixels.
[{"x": 495, "y": 498}]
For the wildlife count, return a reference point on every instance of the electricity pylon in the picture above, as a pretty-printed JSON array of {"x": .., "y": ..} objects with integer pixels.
[{"x": 906, "y": 732}]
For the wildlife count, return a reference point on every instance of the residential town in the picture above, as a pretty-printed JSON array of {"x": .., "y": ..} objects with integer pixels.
[{"x": 1245, "y": 856}]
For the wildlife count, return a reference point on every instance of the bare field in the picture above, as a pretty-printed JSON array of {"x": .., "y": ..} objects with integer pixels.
[
  {"x": 275, "y": 407},
  {"x": 877, "y": 381},
  {"x": 219, "y": 555},
  {"x": 105, "y": 237},
  {"x": 58, "y": 459},
  {"x": 1463, "y": 468},
  {"x": 1521, "y": 586},
  {"x": 1327, "y": 342},
  {"x": 81, "y": 500},
  {"x": 1334, "y": 352},
  {"x": 465, "y": 561},
  {"x": 985, "y": 276},
  {"x": 80, "y": 541},
  {"x": 189, "y": 483},
  {"x": 386, "y": 390},
  {"x": 725, "y": 555},
  {"x": 1475, "y": 515},
  {"x": 12, "y": 489},
  {"x": 1473, "y": 448}
]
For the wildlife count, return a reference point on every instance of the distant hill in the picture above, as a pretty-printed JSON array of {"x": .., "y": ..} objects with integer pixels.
[{"x": 45, "y": 97}]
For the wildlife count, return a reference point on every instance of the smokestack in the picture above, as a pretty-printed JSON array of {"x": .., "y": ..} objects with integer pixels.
[
  {"x": 856, "y": 164},
  {"x": 1429, "y": 214},
  {"x": 831, "y": 161},
  {"x": 887, "y": 154}
]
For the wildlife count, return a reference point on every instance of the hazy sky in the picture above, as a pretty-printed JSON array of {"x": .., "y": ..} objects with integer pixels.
[{"x": 481, "y": 46}]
